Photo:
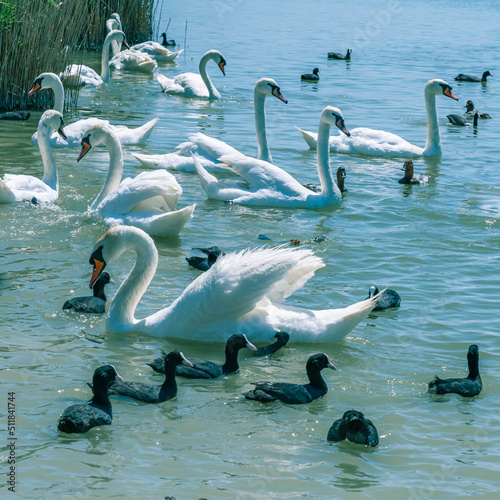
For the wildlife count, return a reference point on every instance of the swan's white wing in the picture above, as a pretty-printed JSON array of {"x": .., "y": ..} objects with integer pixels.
[
  {"x": 27, "y": 187},
  {"x": 163, "y": 224},
  {"x": 156, "y": 190},
  {"x": 366, "y": 141},
  {"x": 6, "y": 194},
  {"x": 156, "y": 51},
  {"x": 76, "y": 130},
  {"x": 236, "y": 283},
  {"x": 188, "y": 84},
  {"x": 133, "y": 60},
  {"x": 260, "y": 174},
  {"x": 74, "y": 76}
]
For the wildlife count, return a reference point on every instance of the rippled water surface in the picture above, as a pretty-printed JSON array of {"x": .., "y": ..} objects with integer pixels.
[{"x": 436, "y": 244}]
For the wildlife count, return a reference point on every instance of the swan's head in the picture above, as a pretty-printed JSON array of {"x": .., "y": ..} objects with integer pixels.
[
  {"x": 96, "y": 135},
  {"x": 268, "y": 87},
  {"x": 116, "y": 17},
  {"x": 439, "y": 87},
  {"x": 44, "y": 81},
  {"x": 218, "y": 58},
  {"x": 112, "y": 24},
  {"x": 116, "y": 240},
  {"x": 333, "y": 116},
  {"x": 53, "y": 120},
  {"x": 117, "y": 35}
]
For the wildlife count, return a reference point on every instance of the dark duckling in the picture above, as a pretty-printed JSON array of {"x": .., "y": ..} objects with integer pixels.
[
  {"x": 341, "y": 175},
  {"x": 15, "y": 115},
  {"x": 311, "y": 77},
  {"x": 461, "y": 121},
  {"x": 387, "y": 299},
  {"x": 207, "y": 369},
  {"x": 205, "y": 263},
  {"x": 470, "y": 113},
  {"x": 165, "y": 42},
  {"x": 150, "y": 393},
  {"x": 82, "y": 417},
  {"x": 469, "y": 78},
  {"x": 354, "y": 427},
  {"x": 282, "y": 340},
  {"x": 410, "y": 177},
  {"x": 295, "y": 393},
  {"x": 467, "y": 387},
  {"x": 95, "y": 304},
  {"x": 339, "y": 56}
]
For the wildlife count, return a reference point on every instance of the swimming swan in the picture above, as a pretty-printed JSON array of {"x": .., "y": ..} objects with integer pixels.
[
  {"x": 269, "y": 185},
  {"x": 157, "y": 51},
  {"x": 193, "y": 84},
  {"x": 147, "y": 201},
  {"x": 26, "y": 187},
  {"x": 243, "y": 292},
  {"x": 207, "y": 149},
  {"x": 76, "y": 75},
  {"x": 75, "y": 131},
  {"x": 371, "y": 142}
]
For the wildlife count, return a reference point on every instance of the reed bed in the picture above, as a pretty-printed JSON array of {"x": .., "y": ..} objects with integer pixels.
[{"x": 42, "y": 35}]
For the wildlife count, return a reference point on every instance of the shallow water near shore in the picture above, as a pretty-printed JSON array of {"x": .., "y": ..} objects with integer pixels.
[{"x": 436, "y": 244}]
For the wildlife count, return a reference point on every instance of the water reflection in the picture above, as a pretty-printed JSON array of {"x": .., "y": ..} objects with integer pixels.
[{"x": 354, "y": 479}]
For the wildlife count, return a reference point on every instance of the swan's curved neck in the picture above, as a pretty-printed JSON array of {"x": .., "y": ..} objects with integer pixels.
[
  {"x": 433, "y": 143},
  {"x": 58, "y": 89},
  {"x": 105, "y": 60},
  {"x": 328, "y": 186},
  {"x": 49, "y": 164},
  {"x": 212, "y": 91},
  {"x": 122, "y": 309},
  {"x": 115, "y": 171},
  {"x": 260, "y": 127}
]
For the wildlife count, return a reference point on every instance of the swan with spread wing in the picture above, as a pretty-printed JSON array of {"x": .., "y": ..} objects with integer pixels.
[{"x": 243, "y": 292}]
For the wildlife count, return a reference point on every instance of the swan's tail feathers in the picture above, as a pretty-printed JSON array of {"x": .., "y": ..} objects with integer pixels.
[
  {"x": 341, "y": 321},
  {"x": 310, "y": 137},
  {"x": 165, "y": 83},
  {"x": 172, "y": 56},
  {"x": 143, "y": 132},
  {"x": 167, "y": 225},
  {"x": 6, "y": 195},
  {"x": 209, "y": 183}
]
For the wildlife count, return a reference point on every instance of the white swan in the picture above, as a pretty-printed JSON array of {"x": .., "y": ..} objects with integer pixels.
[
  {"x": 147, "y": 201},
  {"x": 371, "y": 142},
  {"x": 133, "y": 60},
  {"x": 269, "y": 185},
  {"x": 26, "y": 187},
  {"x": 77, "y": 75},
  {"x": 114, "y": 23},
  {"x": 242, "y": 292},
  {"x": 74, "y": 131},
  {"x": 193, "y": 84},
  {"x": 152, "y": 49},
  {"x": 207, "y": 149},
  {"x": 157, "y": 51}
]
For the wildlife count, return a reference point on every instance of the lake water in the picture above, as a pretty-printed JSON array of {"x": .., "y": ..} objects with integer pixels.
[{"x": 437, "y": 245}]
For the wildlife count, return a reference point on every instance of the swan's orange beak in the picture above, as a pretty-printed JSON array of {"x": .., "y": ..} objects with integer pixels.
[
  {"x": 85, "y": 147},
  {"x": 36, "y": 86},
  {"x": 277, "y": 93},
  {"x": 447, "y": 92},
  {"x": 221, "y": 66},
  {"x": 98, "y": 267}
]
